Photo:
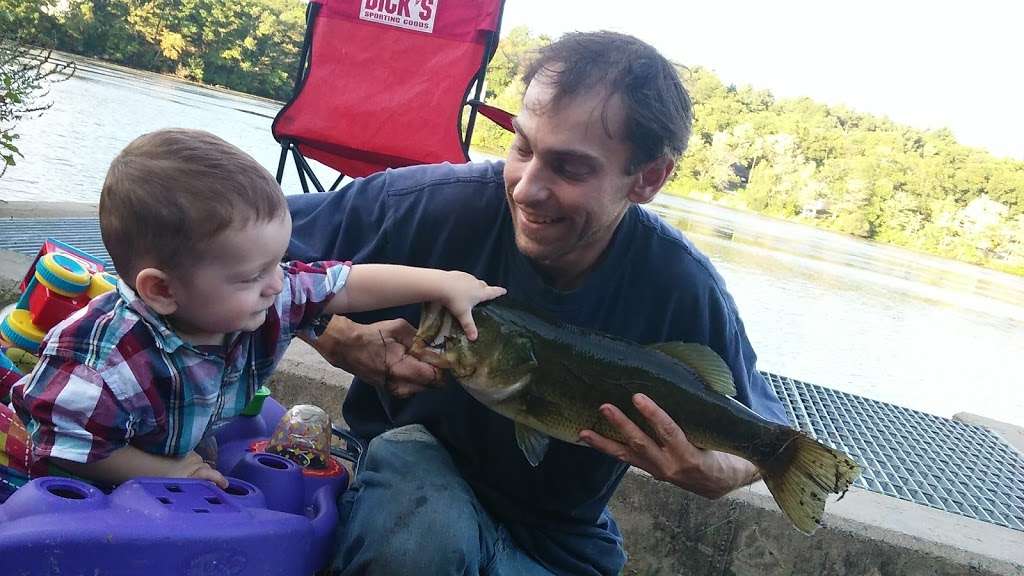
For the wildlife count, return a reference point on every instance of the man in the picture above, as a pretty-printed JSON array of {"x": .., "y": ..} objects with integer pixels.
[{"x": 444, "y": 488}]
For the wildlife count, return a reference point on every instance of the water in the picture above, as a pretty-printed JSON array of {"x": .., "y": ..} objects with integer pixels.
[{"x": 881, "y": 322}]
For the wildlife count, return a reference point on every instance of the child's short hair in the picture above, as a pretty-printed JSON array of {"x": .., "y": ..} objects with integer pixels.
[{"x": 170, "y": 191}]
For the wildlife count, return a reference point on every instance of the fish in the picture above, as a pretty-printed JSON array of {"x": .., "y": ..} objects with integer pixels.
[{"x": 550, "y": 378}]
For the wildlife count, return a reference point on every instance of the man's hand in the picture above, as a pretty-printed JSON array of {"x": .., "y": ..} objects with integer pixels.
[
  {"x": 669, "y": 456},
  {"x": 376, "y": 353}
]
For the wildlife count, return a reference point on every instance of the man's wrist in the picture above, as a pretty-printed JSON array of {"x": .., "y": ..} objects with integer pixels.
[
  {"x": 319, "y": 326},
  {"x": 337, "y": 336}
]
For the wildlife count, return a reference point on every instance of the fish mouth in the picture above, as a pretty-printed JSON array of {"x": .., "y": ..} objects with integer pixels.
[{"x": 428, "y": 345}]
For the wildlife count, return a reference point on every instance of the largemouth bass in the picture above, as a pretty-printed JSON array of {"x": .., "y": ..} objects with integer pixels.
[{"x": 550, "y": 378}]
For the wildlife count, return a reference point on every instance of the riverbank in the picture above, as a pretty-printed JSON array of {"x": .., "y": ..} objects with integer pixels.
[
  {"x": 20, "y": 209},
  {"x": 60, "y": 56},
  {"x": 668, "y": 531}
]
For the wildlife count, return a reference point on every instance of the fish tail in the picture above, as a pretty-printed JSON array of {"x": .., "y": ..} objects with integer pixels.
[{"x": 803, "y": 474}]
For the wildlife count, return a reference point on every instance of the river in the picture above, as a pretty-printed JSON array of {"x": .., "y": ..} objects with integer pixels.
[{"x": 882, "y": 322}]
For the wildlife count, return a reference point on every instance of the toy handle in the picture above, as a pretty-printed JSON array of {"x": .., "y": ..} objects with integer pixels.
[
  {"x": 324, "y": 521},
  {"x": 354, "y": 449}
]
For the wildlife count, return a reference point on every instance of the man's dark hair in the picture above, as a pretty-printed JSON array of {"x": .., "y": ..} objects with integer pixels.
[{"x": 658, "y": 109}]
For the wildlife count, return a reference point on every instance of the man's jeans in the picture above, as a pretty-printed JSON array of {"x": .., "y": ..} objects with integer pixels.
[{"x": 410, "y": 512}]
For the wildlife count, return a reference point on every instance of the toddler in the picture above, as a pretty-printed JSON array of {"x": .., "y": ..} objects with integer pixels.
[{"x": 131, "y": 385}]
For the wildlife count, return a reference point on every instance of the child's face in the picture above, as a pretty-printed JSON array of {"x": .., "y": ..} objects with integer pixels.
[{"x": 234, "y": 284}]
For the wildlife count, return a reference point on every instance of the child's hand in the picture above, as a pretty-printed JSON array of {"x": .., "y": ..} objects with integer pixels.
[
  {"x": 192, "y": 465},
  {"x": 462, "y": 292}
]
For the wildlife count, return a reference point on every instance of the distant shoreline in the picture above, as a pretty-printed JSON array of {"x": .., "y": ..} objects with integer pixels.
[
  {"x": 62, "y": 56},
  {"x": 47, "y": 209}
]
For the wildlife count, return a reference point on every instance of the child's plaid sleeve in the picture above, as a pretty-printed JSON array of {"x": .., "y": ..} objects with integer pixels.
[
  {"x": 307, "y": 290},
  {"x": 70, "y": 413}
]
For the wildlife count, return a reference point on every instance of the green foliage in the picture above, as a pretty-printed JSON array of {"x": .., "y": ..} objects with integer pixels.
[
  {"x": 25, "y": 73},
  {"x": 504, "y": 86},
  {"x": 850, "y": 172},
  {"x": 246, "y": 45}
]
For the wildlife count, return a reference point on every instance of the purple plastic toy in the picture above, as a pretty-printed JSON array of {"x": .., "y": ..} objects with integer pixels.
[{"x": 272, "y": 520}]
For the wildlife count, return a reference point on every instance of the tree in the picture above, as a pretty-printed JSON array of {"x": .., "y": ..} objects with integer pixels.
[
  {"x": 504, "y": 87},
  {"x": 25, "y": 74}
]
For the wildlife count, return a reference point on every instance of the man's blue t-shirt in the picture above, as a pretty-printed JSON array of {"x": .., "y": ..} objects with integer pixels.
[{"x": 651, "y": 285}]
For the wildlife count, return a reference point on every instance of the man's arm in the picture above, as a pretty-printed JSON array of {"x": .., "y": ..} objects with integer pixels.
[
  {"x": 670, "y": 456},
  {"x": 129, "y": 462}
]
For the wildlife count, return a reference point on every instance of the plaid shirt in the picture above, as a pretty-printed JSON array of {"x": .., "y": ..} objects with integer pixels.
[{"x": 115, "y": 373}]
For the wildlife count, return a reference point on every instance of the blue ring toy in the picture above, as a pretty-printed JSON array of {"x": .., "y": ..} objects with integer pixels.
[
  {"x": 63, "y": 274},
  {"x": 23, "y": 338}
]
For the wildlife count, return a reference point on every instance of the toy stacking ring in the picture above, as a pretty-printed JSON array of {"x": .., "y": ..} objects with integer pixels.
[
  {"x": 101, "y": 284},
  {"x": 63, "y": 274},
  {"x": 18, "y": 329}
]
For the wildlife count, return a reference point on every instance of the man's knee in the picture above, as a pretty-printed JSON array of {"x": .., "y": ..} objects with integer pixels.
[
  {"x": 415, "y": 528},
  {"x": 412, "y": 511},
  {"x": 402, "y": 451},
  {"x": 442, "y": 546},
  {"x": 408, "y": 433}
]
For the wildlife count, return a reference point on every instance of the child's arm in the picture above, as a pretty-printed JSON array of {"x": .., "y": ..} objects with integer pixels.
[
  {"x": 69, "y": 404},
  {"x": 129, "y": 462},
  {"x": 375, "y": 286}
]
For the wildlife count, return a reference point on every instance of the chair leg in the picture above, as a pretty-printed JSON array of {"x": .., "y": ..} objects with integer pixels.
[
  {"x": 306, "y": 169},
  {"x": 282, "y": 160},
  {"x": 302, "y": 175}
]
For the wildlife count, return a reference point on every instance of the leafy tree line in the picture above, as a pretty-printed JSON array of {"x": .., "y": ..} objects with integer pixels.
[
  {"x": 827, "y": 166},
  {"x": 247, "y": 45},
  {"x": 791, "y": 158}
]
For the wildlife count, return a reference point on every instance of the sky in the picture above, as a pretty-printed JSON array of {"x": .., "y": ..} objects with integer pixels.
[{"x": 958, "y": 65}]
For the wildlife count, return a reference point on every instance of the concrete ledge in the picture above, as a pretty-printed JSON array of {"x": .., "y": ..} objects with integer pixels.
[
  {"x": 669, "y": 531},
  {"x": 13, "y": 267},
  {"x": 1013, "y": 435},
  {"x": 304, "y": 377},
  {"x": 24, "y": 209}
]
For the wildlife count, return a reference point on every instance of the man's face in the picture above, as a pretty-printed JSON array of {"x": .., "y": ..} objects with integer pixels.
[{"x": 566, "y": 181}]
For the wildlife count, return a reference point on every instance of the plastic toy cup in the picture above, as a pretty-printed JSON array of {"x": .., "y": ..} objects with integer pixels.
[{"x": 303, "y": 436}]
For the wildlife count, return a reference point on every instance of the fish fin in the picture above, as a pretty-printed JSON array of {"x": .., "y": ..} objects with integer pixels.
[
  {"x": 803, "y": 474},
  {"x": 713, "y": 371},
  {"x": 534, "y": 444}
]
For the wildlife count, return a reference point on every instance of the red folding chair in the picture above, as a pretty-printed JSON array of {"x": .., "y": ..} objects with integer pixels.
[{"x": 384, "y": 83}]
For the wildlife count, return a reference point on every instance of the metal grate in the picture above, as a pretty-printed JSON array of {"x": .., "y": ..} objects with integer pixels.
[
  {"x": 26, "y": 235},
  {"x": 938, "y": 462}
]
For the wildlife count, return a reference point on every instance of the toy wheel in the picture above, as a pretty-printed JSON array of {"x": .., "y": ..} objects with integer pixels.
[
  {"x": 63, "y": 274},
  {"x": 18, "y": 329},
  {"x": 101, "y": 284}
]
